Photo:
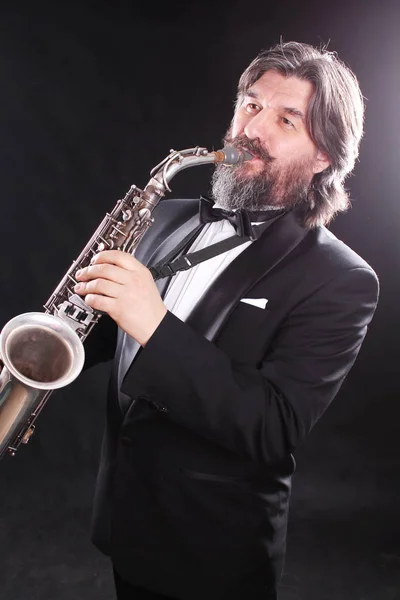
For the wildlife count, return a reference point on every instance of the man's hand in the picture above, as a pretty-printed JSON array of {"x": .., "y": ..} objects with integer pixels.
[{"x": 118, "y": 284}]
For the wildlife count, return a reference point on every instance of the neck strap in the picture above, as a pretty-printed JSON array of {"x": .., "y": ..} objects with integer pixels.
[{"x": 169, "y": 266}]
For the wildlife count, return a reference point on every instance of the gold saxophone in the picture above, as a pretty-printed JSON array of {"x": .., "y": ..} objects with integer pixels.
[{"x": 43, "y": 351}]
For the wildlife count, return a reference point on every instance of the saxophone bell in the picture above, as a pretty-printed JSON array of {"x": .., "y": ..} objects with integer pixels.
[{"x": 40, "y": 352}]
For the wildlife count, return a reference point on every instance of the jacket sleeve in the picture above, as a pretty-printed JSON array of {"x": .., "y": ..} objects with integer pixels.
[
  {"x": 101, "y": 343},
  {"x": 260, "y": 412}
]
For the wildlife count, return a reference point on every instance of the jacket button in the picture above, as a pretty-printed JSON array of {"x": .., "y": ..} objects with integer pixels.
[
  {"x": 125, "y": 441},
  {"x": 159, "y": 406}
]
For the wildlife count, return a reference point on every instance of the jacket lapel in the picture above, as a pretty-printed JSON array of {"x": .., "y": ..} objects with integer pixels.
[
  {"x": 168, "y": 230},
  {"x": 243, "y": 273}
]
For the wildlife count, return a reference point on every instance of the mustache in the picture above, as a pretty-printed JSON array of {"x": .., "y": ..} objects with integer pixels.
[{"x": 255, "y": 147}]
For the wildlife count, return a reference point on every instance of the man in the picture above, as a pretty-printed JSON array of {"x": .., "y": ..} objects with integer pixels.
[{"x": 216, "y": 383}]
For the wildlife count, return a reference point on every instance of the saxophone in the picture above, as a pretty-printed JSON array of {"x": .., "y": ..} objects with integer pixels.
[{"x": 43, "y": 351}]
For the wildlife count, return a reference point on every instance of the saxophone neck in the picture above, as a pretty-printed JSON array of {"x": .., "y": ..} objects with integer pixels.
[
  {"x": 183, "y": 159},
  {"x": 176, "y": 161}
]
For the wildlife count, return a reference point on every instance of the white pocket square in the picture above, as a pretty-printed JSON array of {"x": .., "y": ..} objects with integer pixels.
[{"x": 259, "y": 302}]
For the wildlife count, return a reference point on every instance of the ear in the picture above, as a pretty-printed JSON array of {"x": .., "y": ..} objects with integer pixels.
[{"x": 321, "y": 163}]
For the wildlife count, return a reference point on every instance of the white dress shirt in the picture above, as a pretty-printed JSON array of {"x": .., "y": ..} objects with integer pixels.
[{"x": 187, "y": 287}]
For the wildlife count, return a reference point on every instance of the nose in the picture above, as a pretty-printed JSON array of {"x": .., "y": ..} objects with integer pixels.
[{"x": 257, "y": 126}]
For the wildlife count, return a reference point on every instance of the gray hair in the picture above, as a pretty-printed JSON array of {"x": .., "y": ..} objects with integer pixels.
[{"x": 335, "y": 119}]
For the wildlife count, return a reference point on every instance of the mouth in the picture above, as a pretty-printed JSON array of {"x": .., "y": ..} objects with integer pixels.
[
  {"x": 248, "y": 156},
  {"x": 252, "y": 158}
]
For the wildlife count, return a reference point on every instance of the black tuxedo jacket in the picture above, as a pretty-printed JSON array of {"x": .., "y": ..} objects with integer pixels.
[{"x": 194, "y": 479}]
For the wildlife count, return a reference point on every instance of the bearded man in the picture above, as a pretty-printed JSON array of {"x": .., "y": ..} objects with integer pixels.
[{"x": 220, "y": 372}]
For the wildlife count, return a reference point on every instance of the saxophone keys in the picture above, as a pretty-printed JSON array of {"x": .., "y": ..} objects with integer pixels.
[
  {"x": 104, "y": 244},
  {"x": 27, "y": 435},
  {"x": 126, "y": 214},
  {"x": 144, "y": 214}
]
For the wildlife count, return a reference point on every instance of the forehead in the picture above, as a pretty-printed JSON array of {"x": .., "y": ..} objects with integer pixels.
[{"x": 276, "y": 90}]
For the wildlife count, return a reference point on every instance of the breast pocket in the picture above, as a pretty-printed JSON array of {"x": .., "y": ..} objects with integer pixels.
[{"x": 247, "y": 332}]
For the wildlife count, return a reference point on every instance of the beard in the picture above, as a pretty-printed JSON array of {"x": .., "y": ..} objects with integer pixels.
[{"x": 271, "y": 187}]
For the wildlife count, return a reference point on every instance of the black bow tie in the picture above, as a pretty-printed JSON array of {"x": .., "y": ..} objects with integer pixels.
[{"x": 241, "y": 219}]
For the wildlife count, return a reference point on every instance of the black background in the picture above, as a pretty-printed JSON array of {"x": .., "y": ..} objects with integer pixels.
[{"x": 93, "y": 95}]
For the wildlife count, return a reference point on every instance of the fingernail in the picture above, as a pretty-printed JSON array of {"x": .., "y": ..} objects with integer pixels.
[
  {"x": 78, "y": 287},
  {"x": 78, "y": 272}
]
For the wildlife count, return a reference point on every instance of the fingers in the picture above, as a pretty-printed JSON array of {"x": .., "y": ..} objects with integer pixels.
[
  {"x": 111, "y": 264},
  {"x": 102, "y": 271},
  {"x": 118, "y": 258},
  {"x": 101, "y": 303},
  {"x": 102, "y": 287}
]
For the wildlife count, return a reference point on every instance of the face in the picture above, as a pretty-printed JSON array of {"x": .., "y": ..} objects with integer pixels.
[{"x": 270, "y": 122}]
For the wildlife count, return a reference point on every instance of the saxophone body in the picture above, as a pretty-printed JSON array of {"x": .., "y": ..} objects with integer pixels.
[{"x": 44, "y": 351}]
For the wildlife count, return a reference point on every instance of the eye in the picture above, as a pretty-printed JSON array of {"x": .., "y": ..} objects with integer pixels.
[
  {"x": 251, "y": 107},
  {"x": 286, "y": 121}
]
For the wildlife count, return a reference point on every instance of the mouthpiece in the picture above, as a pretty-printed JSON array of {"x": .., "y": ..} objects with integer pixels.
[{"x": 231, "y": 156}]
